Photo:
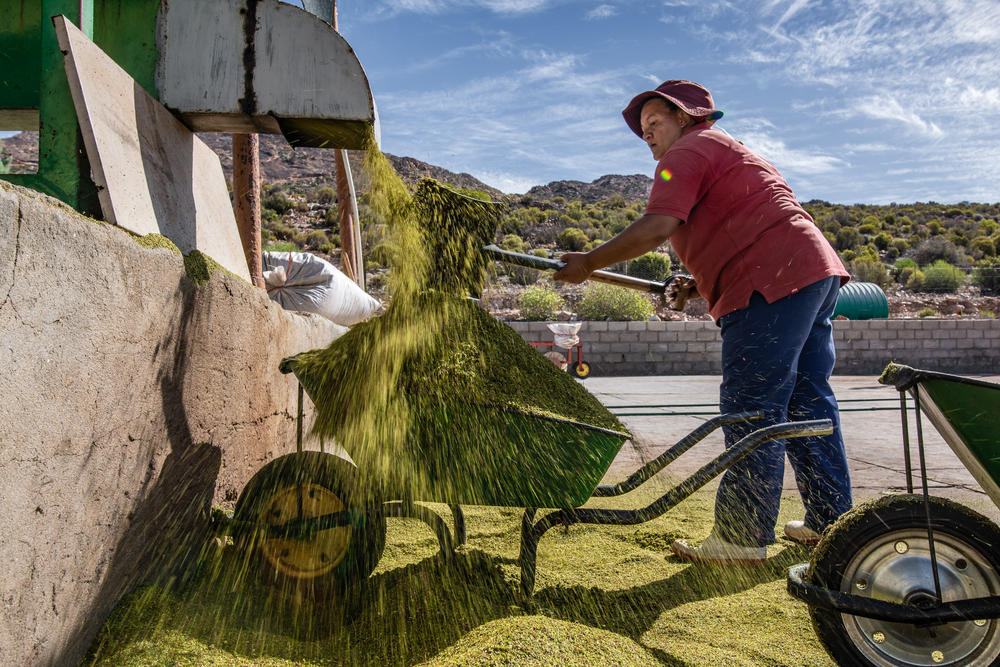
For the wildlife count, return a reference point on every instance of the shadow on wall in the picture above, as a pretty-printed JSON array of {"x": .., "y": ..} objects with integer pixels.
[{"x": 169, "y": 524}]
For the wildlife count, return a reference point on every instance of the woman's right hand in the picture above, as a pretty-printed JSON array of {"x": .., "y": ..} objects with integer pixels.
[
  {"x": 577, "y": 268},
  {"x": 680, "y": 290}
]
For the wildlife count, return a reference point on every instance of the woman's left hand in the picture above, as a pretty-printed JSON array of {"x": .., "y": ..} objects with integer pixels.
[{"x": 577, "y": 268}]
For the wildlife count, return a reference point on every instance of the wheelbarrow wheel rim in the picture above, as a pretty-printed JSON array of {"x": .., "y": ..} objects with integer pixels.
[
  {"x": 337, "y": 558},
  {"x": 881, "y": 550}
]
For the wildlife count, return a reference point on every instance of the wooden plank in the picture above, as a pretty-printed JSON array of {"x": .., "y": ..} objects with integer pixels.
[{"x": 154, "y": 174}]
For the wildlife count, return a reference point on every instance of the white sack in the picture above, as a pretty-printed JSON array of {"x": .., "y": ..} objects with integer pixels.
[
  {"x": 565, "y": 333},
  {"x": 306, "y": 283}
]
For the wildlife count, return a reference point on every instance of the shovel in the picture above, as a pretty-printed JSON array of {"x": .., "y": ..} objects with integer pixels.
[{"x": 543, "y": 264}]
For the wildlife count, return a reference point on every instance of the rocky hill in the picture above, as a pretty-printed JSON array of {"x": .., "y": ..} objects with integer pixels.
[
  {"x": 280, "y": 162},
  {"x": 630, "y": 188}
]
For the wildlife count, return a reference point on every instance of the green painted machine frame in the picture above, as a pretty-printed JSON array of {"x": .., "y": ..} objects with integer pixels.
[{"x": 35, "y": 94}]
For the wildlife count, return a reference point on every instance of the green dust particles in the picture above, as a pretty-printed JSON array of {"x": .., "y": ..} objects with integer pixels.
[
  {"x": 436, "y": 399},
  {"x": 606, "y": 595}
]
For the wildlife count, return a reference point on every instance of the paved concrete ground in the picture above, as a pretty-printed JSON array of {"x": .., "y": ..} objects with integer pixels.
[{"x": 873, "y": 437}]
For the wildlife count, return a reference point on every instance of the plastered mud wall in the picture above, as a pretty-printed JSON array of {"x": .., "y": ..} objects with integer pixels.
[{"x": 132, "y": 398}]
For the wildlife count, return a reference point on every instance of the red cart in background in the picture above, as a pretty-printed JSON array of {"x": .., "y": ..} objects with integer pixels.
[{"x": 565, "y": 336}]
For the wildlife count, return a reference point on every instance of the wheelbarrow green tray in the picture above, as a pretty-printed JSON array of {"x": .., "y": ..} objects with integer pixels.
[
  {"x": 965, "y": 411},
  {"x": 487, "y": 455}
]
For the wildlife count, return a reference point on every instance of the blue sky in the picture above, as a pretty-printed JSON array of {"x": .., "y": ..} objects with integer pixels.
[{"x": 855, "y": 101}]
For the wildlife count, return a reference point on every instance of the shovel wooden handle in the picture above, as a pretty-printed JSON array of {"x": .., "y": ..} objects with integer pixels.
[{"x": 544, "y": 264}]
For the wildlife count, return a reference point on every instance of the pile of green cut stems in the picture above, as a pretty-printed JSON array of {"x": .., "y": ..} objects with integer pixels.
[{"x": 422, "y": 397}]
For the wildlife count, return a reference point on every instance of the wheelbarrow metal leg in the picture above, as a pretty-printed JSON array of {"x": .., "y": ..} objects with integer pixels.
[
  {"x": 459, "y": 518},
  {"x": 529, "y": 551},
  {"x": 531, "y": 532},
  {"x": 410, "y": 510},
  {"x": 669, "y": 456}
]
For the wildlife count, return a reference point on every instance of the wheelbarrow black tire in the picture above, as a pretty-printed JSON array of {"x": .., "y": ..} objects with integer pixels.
[
  {"x": 880, "y": 549},
  {"x": 334, "y": 563},
  {"x": 580, "y": 369}
]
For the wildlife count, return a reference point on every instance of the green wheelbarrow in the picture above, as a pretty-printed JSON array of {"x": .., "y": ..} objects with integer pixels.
[
  {"x": 914, "y": 579},
  {"x": 315, "y": 522}
]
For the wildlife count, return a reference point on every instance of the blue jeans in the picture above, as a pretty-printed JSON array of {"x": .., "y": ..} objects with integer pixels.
[{"x": 778, "y": 358}]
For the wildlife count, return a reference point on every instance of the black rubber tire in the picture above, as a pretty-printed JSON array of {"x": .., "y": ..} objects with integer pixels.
[
  {"x": 580, "y": 369},
  {"x": 879, "y": 549},
  {"x": 307, "y": 568}
]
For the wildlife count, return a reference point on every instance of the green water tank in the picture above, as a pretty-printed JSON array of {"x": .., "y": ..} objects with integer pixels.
[{"x": 861, "y": 301}]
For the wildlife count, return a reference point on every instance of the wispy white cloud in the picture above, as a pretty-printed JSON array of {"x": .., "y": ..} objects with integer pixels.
[
  {"x": 793, "y": 8},
  {"x": 502, "y": 7},
  {"x": 850, "y": 90},
  {"x": 890, "y": 109},
  {"x": 790, "y": 160},
  {"x": 601, "y": 12}
]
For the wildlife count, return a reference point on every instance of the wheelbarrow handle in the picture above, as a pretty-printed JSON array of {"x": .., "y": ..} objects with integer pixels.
[{"x": 541, "y": 263}]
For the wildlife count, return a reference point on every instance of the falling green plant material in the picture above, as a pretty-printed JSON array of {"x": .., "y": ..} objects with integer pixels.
[
  {"x": 606, "y": 594},
  {"x": 453, "y": 422},
  {"x": 430, "y": 398},
  {"x": 455, "y": 226}
]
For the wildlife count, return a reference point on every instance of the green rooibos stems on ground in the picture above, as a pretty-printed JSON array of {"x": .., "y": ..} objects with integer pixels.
[{"x": 422, "y": 396}]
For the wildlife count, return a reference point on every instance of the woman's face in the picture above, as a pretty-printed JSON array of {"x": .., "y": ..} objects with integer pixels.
[{"x": 660, "y": 127}]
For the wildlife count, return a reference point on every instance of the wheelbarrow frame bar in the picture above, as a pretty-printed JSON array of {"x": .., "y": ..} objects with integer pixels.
[{"x": 532, "y": 532}]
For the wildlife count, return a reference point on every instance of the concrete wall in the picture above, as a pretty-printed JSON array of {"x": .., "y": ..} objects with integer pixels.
[
  {"x": 131, "y": 400},
  {"x": 864, "y": 347}
]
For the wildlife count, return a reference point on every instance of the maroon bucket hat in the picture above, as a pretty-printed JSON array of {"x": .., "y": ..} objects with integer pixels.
[{"x": 689, "y": 96}]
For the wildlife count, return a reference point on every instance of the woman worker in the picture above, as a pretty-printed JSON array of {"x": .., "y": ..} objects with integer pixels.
[{"x": 771, "y": 282}]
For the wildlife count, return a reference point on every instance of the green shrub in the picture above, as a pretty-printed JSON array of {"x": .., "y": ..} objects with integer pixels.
[
  {"x": 927, "y": 312},
  {"x": 512, "y": 242},
  {"x": 522, "y": 275},
  {"x": 283, "y": 246},
  {"x": 987, "y": 313},
  {"x": 902, "y": 269},
  {"x": 610, "y": 302},
  {"x": 915, "y": 281},
  {"x": 573, "y": 239},
  {"x": 278, "y": 202},
  {"x": 983, "y": 246},
  {"x": 326, "y": 248},
  {"x": 325, "y": 195},
  {"x": 936, "y": 248},
  {"x": 986, "y": 275},
  {"x": 868, "y": 270},
  {"x": 942, "y": 277},
  {"x": 848, "y": 238},
  {"x": 651, "y": 266},
  {"x": 539, "y": 303},
  {"x": 316, "y": 238}
]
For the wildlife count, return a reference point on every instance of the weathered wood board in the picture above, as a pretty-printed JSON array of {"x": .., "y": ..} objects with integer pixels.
[
  {"x": 301, "y": 71},
  {"x": 153, "y": 173}
]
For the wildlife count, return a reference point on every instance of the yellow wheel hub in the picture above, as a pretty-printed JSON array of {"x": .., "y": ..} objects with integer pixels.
[{"x": 298, "y": 558}]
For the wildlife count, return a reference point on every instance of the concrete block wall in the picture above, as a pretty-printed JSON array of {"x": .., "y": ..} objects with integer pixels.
[{"x": 863, "y": 346}]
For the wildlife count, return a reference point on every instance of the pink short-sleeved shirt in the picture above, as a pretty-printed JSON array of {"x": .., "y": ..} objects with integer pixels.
[{"x": 743, "y": 230}]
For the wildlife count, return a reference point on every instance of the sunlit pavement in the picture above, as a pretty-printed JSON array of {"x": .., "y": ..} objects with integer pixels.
[{"x": 869, "y": 417}]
